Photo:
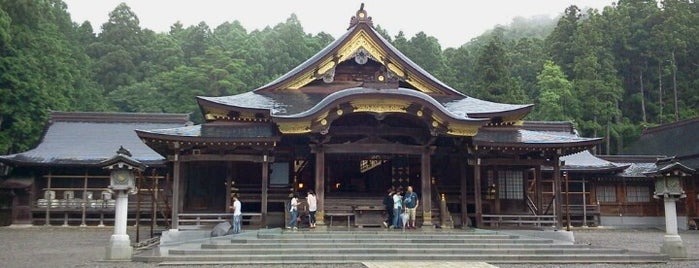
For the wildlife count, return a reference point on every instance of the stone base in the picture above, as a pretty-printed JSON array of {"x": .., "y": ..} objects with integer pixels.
[
  {"x": 119, "y": 248},
  {"x": 673, "y": 247}
]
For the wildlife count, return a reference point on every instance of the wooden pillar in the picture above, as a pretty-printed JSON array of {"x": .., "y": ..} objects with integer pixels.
[
  {"x": 539, "y": 190},
  {"x": 426, "y": 185},
  {"x": 265, "y": 185},
  {"x": 463, "y": 190},
  {"x": 177, "y": 173},
  {"x": 229, "y": 184},
  {"x": 83, "y": 222},
  {"x": 320, "y": 184},
  {"x": 477, "y": 192},
  {"x": 48, "y": 200},
  {"x": 557, "y": 191}
]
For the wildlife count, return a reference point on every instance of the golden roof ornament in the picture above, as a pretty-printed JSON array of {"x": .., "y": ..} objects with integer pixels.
[{"x": 360, "y": 17}]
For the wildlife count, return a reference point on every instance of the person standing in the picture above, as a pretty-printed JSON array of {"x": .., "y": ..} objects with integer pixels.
[
  {"x": 293, "y": 211},
  {"x": 411, "y": 202},
  {"x": 397, "y": 207},
  {"x": 312, "y": 207},
  {"x": 237, "y": 215},
  {"x": 388, "y": 206}
]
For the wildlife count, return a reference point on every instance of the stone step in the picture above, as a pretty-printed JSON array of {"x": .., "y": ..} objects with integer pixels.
[
  {"x": 393, "y": 240},
  {"x": 271, "y": 245},
  {"x": 405, "y": 249},
  {"x": 320, "y": 246},
  {"x": 402, "y": 235},
  {"x": 354, "y": 258}
]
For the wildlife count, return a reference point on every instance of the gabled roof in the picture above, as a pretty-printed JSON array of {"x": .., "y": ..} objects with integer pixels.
[
  {"x": 361, "y": 37},
  {"x": 313, "y": 83},
  {"x": 86, "y": 139}
]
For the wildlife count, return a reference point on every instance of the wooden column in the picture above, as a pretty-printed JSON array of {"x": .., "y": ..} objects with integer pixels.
[
  {"x": 539, "y": 190},
  {"x": 229, "y": 183},
  {"x": 265, "y": 185},
  {"x": 557, "y": 191},
  {"x": 177, "y": 173},
  {"x": 320, "y": 184},
  {"x": 463, "y": 190},
  {"x": 477, "y": 192},
  {"x": 426, "y": 184}
]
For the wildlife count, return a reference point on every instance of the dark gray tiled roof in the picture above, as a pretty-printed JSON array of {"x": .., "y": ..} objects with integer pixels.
[
  {"x": 637, "y": 170},
  {"x": 676, "y": 139},
  {"x": 289, "y": 103},
  {"x": 524, "y": 137},
  {"x": 587, "y": 161},
  {"x": 88, "y": 140},
  {"x": 469, "y": 105},
  {"x": 228, "y": 132}
]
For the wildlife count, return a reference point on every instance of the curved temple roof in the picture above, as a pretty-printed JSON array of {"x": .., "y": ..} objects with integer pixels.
[{"x": 303, "y": 89}]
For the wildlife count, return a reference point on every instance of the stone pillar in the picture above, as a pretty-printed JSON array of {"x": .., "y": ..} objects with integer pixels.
[
  {"x": 320, "y": 185},
  {"x": 672, "y": 245},
  {"x": 426, "y": 183},
  {"x": 119, "y": 243}
]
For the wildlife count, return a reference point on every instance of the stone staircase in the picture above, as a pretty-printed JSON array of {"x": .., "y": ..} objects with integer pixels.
[{"x": 275, "y": 246}]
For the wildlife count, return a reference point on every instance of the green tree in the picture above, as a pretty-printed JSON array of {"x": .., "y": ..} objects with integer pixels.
[
  {"x": 493, "y": 80},
  {"x": 555, "y": 100},
  {"x": 561, "y": 40}
]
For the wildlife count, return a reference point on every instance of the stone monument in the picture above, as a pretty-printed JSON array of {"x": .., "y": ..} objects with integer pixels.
[
  {"x": 122, "y": 168},
  {"x": 668, "y": 186}
]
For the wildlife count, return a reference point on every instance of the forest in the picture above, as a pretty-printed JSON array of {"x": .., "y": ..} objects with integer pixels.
[{"x": 612, "y": 72}]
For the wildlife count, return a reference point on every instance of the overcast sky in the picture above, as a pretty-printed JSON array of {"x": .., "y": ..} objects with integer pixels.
[{"x": 453, "y": 22}]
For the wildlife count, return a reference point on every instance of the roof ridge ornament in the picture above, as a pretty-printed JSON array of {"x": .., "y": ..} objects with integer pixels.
[{"x": 360, "y": 17}]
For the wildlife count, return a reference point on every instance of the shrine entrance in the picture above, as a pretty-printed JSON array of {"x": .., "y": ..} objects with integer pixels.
[{"x": 370, "y": 175}]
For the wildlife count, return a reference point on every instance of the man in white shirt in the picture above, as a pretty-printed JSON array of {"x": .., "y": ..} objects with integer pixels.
[{"x": 237, "y": 215}]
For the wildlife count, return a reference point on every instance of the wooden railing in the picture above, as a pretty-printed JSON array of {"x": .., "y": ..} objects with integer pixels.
[
  {"x": 207, "y": 220},
  {"x": 497, "y": 221}
]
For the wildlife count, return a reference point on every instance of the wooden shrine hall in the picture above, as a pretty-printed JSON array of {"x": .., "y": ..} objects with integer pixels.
[{"x": 352, "y": 121}]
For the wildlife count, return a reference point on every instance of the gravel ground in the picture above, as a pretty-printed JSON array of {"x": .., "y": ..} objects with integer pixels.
[{"x": 85, "y": 247}]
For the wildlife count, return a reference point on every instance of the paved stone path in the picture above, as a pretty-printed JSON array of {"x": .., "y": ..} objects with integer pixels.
[{"x": 428, "y": 265}]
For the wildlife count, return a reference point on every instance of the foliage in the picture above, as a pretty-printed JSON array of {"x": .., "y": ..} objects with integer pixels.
[{"x": 611, "y": 71}]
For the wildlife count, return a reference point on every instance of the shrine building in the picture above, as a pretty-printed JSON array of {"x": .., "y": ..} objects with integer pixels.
[{"x": 352, "y": 121}]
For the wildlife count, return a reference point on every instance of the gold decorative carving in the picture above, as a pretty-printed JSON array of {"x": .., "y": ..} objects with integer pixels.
[
  {"x": 360, "y": 40},
  {"x": 463, "y": 130},
  {"x": 325, "y": 68},
  {"x": 216, "y": 115},
  {"x": 380, "y": 106},
  {"x": 294, "y": 127},
  {"x": 396, "y": 70}
]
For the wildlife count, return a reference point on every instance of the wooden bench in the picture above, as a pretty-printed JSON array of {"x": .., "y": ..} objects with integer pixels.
[{"x": 339, "y": 211}]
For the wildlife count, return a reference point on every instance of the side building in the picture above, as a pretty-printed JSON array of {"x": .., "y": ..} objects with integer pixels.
[{"x": 61, "y": 182}]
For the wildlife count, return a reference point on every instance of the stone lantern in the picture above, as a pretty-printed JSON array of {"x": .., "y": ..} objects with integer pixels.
[
  {"x": 122, "y": 168},
  {"x": 668, "y": 186}
]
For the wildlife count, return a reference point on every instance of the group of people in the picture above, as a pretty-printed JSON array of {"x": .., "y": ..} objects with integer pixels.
[
  {"x": 397, "y": 202},
  {"x": 294, "y": 210}
]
